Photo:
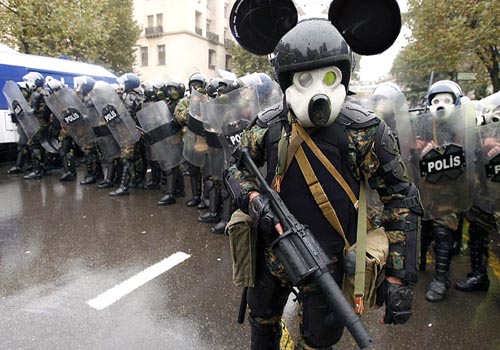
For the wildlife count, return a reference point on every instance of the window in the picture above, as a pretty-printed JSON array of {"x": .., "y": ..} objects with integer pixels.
[
  {"x": 211, "y": 59},
  {"x": 198, "y": 29},
  {"x": 151, "y": 21},
  {"x": 159, "y": 20},
  {"x": 228, "y": 62},
  {"x": 161, "y": 55},
  {"x": 144, "y": 56}
]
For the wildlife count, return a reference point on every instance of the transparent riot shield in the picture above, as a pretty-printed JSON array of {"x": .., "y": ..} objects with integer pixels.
[
  {"x": 439, "y": 155},
  {"x": 20, "y": 108},
  {"x": 489, "y": 168},
  {"x": 195, "y": 144},
  {"x": 115, "y": 114},
  {"x": 72, "y": 113},
  {"x": 162, "y": 134},
  {"x": 109, "y": 149},
  {"x": 268, "y": 91},
  {"x": 215, "y": 151},
  {"x": 229, "y": 114}
]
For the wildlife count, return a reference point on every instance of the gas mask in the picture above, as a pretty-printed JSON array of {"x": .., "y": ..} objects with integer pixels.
[
  {"x": 442, "y": 105},
  {"x": 316, "y": 96},
  {"x": 492, "y": 116}
]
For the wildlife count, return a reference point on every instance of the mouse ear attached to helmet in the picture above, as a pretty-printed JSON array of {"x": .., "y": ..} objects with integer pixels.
[
  {"x": 369, "y": 26},
  {"x": 258, "y": 25}
]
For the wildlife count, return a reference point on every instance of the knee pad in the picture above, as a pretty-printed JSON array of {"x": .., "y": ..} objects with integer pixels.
[
  {"x": 268, "y": 298},
  {"x": 442, "y": 234},
  {"x": 320, "y": 328}
]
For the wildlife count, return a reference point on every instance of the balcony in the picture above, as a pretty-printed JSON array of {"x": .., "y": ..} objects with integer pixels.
[
  {"x": 152, "y": 32},
  {"x": 227, "y": 43},
  {"x": 198, "y": 31},
  {"x": 212, "y": 37}
]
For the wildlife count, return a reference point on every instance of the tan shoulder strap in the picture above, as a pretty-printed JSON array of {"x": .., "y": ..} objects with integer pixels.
[
  {"x": 328, "y": 165},
  {"x": 319, "y": 193}
]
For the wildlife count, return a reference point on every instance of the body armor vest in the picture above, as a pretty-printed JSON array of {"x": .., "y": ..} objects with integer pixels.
[{"x": 333, "y": 142}]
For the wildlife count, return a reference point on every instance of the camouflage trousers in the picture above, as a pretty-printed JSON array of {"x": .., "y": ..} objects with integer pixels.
[{"x": 267, "y": 300}]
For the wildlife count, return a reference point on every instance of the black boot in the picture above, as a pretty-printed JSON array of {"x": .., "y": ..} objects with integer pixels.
[
  {"x": 108, "y": 182},
  {"x": 443, "y": 248},
  {"x": 425, "y": 243},
  {"x": 91, "y": 176},
  {"x": 37, "y": 171},
  {"x": 18, "y": 168},
  {"x": 264, "y": 337},
  {"x": 225, "y": 216},
  {"x": 154, "y": 184},
  {"x": 69, "y": 169},
  {"x": 212, "y": 216},
  {"x": 169, "y": 197},
  {"x": 478, "y": 279},
  {"x": 123, "y": 189},
  {"x": 179, "y": 183},
  {"x": 195, "y": 179}
]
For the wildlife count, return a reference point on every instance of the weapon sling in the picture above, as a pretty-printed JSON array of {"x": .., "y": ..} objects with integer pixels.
[{"x": 327, "y": 209}]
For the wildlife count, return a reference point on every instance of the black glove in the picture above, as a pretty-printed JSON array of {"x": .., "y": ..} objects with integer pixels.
[
  {"x": 398, "y": 302},
  {"x": 263, "y": 217}
]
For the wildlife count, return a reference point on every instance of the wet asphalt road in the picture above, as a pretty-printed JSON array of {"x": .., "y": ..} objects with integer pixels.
[{"x": 62, "y": 245}]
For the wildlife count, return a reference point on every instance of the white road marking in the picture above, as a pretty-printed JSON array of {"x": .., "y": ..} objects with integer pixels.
[{"x": 114, "y": 294}]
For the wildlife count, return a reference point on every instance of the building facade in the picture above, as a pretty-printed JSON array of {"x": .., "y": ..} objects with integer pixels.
[{"x": 181, "y": 37}]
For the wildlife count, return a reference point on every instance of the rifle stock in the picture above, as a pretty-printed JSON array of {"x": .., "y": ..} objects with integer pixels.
[{"x": 303, "y": 258}]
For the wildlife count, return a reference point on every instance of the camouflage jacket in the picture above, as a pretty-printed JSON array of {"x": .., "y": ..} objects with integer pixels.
[{"x": 363, "y": 163}]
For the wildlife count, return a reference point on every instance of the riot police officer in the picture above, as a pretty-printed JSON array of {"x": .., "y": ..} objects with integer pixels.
[
  {"x": 174, "y": 92},
  {"x": 35, "y": 81},
  {"x": 83, "y": 85},
  {"x": 22, "y": 150},
  {"x": 442, "y": 100},
  {"x": 481, "y": 216},
  {"x": 312, "y": 63},
  {"x": 132, "y": 99},
  {"x": 67, "y": 148},
  {"x": 197, "y": 84}
]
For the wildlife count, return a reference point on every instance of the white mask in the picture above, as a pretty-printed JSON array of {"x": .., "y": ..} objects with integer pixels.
[
  {"x": 442, "y": 105},
  {"x": 316, "y": 96}
]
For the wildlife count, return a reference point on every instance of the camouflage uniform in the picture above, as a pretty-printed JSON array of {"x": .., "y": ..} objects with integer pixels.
[
  {"x": 42, "y": 113},
  {"x": 181, "y": 115},
  {"x": 133, "y": 156},
  {"x": 362, "y": 162}
]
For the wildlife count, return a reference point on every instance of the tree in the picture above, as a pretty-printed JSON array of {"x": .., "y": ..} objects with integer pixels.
[
  {"x": 450, "y": 37},
  {"x": 101, "y": 32},
  {"x": 244, "y": 62}
]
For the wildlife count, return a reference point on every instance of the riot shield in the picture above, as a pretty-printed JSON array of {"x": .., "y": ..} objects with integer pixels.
[
  {"x": 489, "y": 167},
  {"x": 440, "y": 158},
  {"x": 195, "y": 144},
  {"x": 162, "y": 134},
  {"x": 228, "y": 115},
  {"x": 20, "y": 108},
  {"x": 268, "y": 91},
  {"x": 109, "y": 149},
  {"x": 115, "y": 114},
  {"x": 72, "y": 113},
  {"x": 215, "y": 152}
]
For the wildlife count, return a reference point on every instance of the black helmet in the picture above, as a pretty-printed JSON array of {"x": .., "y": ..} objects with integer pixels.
[
  {"x": 312, "y": 44},
  {"x": 197, "y": 77},
  {"x": 228, "y": 85},
  {"x": 149, "y": 92},
  {"x": 212, "y": 87},
  {"x": 174, "y": 90}
]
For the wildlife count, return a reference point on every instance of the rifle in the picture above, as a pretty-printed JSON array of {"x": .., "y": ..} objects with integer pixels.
[{"x": 303, "y": 258}]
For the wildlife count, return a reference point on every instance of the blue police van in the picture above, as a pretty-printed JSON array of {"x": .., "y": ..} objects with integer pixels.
[{"x": 14, "y": 65}]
